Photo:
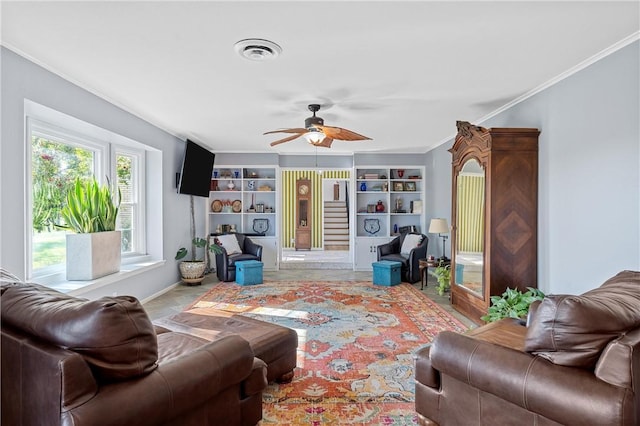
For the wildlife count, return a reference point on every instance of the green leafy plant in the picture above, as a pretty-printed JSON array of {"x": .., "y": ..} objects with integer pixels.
[
  {"x": 197, "y": 243},
  {"x": 90, "y": 207},
  {"x": 512, "y": 304},
  {"x": 443, "y": 275}
]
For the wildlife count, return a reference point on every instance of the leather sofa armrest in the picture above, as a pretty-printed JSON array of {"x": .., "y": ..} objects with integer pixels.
[
  {"x": 425, "y": 373},
  {"x": 531, "y": 382},
  {"x": 533, "y": 309},
  {"x": 252, "y": 248},
  {"x": 391, "y": 247},
  {"x": 174, "y": 388},
  {"x": 257, "y": 381}
]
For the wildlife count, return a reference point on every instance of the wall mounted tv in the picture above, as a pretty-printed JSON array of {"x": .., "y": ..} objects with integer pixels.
[{"x": 197, "y": 165}]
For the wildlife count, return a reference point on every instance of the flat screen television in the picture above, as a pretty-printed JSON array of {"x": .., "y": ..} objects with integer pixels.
[{"x": 197, "y": 165}]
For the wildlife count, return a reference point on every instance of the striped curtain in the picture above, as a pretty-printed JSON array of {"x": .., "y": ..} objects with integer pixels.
[
  {"x": 470, "y": 212},
  {"x": 288, "y": 209}
]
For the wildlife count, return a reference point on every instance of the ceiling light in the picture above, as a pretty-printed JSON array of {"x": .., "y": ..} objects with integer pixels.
[
  {"x": 256, "y": 49},
  {"x": 314, "y": 136}
]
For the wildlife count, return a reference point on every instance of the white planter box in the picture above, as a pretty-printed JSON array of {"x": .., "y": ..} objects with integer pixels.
[{"x": 91, "y": 256}]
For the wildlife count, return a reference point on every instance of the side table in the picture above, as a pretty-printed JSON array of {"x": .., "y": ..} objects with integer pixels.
[{"x": 425, "y": 264}]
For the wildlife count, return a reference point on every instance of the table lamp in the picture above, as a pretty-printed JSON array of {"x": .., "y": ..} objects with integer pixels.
[{"x": 440, "y": 226}]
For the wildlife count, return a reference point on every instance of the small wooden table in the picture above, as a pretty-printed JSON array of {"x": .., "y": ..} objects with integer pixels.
[{"x": 425, "y": 264}]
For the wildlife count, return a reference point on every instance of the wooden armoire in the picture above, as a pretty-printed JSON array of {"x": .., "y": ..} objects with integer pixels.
[{"x": 494, "y": 237}]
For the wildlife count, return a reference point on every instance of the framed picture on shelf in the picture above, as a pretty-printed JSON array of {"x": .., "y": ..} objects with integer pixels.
[
  {"x": 409, "y": 186},
  {"x": 398, "y": 186},
  {"x": 371, "y": 208}
]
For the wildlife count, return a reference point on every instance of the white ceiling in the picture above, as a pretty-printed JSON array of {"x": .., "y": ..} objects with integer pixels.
[{"x": 401, "y": 73}]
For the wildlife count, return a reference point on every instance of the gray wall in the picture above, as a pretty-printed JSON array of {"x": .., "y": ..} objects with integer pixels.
[
  {"x": 22, "y": 79},
  {"x": 589, "y": 179}
]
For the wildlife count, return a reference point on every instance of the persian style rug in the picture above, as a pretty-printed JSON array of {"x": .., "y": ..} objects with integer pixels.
[{"x": 355, "y": 352}]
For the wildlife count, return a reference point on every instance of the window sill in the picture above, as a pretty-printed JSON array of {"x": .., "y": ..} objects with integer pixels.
[{"x": 127, "y": 270}]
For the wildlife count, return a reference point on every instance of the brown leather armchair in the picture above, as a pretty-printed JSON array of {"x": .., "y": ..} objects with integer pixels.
[
  {"x": 575, "y": 362},
  {"x": 70, "y": 361},
  {"x": 226, "y": 263},
  {"x": 410, "y": 266}
]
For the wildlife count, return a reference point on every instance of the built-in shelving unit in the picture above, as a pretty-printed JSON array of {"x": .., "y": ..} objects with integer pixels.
[
  {"x": 388, "y": 200},
  {"x": 243, "y": 199}
]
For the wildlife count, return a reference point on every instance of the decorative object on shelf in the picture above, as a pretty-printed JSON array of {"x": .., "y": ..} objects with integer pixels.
[
  {"x": 261, "y": 226},
  {"x": 440, "y": 226},
  {"x": 216, "y": 206},
  {"x": 372, "y": 226},
  {"x": 259, "y": 208},
  {"x": 371, "y": 176},
  {"x": 253, "y": 175},
  {"x": 399, "y": 206},
  {"x": 371, "y": 208},
  {"x": 316, "y": 133},
  {"x": 409, "y": 186},
  {"x": 252, "y": 207},
  {"x": 236, "y": 206},
  {"x": 416, "y": 206},
  {"x": 232, "y": 228},
  {"x": 231, "y": 185},
  {"x": 380, "y": 207},
  {"x": 398, "y": 186},
  {"x": 215, "y": 174},
  {"x": 218, "y": 229},
  {"x": 268, "y": 210},
  {"x": 385, "y": 187},
  {"x": 251, "y": 185},
  {"x": 400, "y": 173},
  {"x": 395, "y": 228},
  {"x": 363, "y": 186},
  {"x": 236, "y": 174},
  {"x": 265, "y": 188}
]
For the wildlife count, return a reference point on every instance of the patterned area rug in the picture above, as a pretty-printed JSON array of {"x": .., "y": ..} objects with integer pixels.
[{"x": 355, "y": 352}]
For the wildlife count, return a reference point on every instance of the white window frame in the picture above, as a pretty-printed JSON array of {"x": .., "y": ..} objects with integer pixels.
[
  {"x": 139, "y": 196},
  {"x": 48, "y": 123}
]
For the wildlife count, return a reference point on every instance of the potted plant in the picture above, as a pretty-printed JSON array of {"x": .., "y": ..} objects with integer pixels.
[
  {"x": 91, "y": 211},
  {"x": 512, "y": 304},
  {"x": 192, "y": 271},
  {"x": 443, "y": 275}
]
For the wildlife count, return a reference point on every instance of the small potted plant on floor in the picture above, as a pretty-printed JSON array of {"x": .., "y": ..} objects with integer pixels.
[
  {"x": 90, "y": 211},
  {"x": 443, "y": 275},
  {"x": 512, "y": 304},
  {"x": 192, "y": 271}
]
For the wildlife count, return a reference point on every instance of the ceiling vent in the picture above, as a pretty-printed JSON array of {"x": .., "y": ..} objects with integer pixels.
[{"x": 256, "y": 49}]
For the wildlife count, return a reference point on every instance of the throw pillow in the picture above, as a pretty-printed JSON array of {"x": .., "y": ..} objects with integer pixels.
[
  {"x": 230, "y": 243},
  {"x": 410, "y": 242},
  {"x": 574, "y": 330}
]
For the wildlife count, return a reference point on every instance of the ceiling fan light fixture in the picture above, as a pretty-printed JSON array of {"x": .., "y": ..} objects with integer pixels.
[
  {"x": 256, "y": 49},
  {"x": 314, "y": 136}
]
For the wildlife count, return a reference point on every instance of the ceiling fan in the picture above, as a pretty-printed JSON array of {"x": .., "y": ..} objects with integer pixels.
[{"x": 316, "y": 133}]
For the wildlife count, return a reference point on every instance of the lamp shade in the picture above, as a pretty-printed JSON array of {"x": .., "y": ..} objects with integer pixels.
[{"x": 438, "y": 226}]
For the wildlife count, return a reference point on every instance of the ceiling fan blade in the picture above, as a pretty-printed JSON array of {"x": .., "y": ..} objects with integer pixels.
[
  {"x": 287, "y": 139},
  {"x": 296, "y": 130},
  {"x": 341, "y": 134},
  {"x": 326, "y": 142}
]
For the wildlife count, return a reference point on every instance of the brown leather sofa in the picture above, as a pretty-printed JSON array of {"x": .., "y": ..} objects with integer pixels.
[
  {"x": 576, "y": 361},
  {"x": 70, "y": 361}
]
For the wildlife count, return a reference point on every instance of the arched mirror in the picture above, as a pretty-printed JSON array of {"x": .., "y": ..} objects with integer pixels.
[{"x": 470, "y": 217}]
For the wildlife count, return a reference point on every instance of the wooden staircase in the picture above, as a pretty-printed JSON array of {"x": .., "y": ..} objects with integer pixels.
[{"x": 336, "y": 225}]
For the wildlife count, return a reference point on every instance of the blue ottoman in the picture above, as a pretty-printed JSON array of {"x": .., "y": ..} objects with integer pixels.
[
  {"x": 386, "y": 273},
  {"x": 249, "y": 272}
]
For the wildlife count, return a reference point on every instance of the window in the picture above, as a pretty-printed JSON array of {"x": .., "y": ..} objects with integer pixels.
[{"x": 58, "y": 157}]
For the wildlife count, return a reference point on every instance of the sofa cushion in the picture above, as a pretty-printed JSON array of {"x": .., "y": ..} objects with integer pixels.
[
  {"x": 113, "y": 334},
  {"x": 573, "y": 330}
]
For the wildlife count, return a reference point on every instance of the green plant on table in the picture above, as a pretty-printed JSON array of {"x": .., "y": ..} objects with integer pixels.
[
  {"x": 512, "y": 304},
  {"x": 443, "y": 275},
  {"x": 90, "y": 207}
]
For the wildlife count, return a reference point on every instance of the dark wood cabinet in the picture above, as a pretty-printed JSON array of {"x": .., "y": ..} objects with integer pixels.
[
  {"x": 494, "y": 214},
  {"x": 303, "y": 214}
]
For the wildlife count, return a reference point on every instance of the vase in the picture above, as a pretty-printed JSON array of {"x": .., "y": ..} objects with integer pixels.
[
  {"x": 400, "y": 173},
  {"x": 380, "y": 207},
  {"x": 94, "y": 255},
  {"x": 231, "y": 185},
  {"x": 363, "y": 186}
]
